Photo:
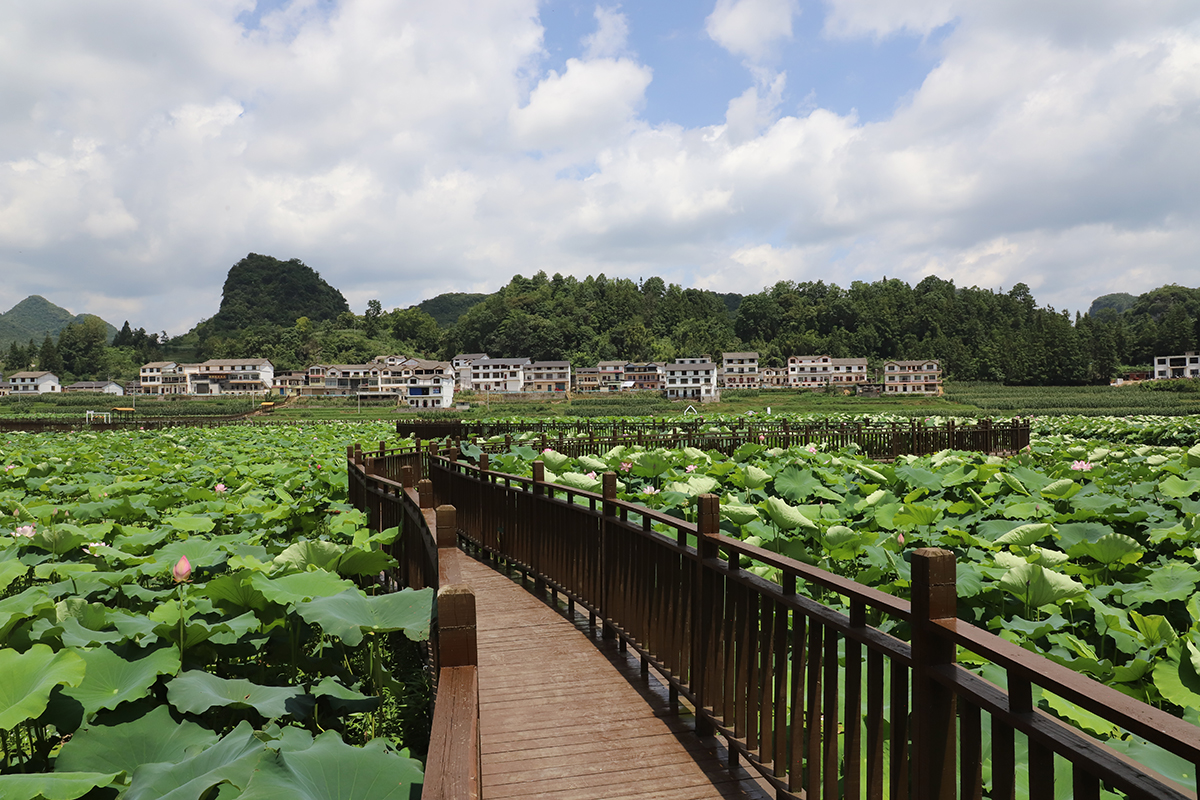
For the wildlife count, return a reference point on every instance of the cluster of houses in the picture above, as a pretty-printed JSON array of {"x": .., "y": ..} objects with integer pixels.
[{"x": 422, "y": 383}]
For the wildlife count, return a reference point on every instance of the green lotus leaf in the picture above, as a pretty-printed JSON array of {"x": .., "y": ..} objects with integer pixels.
[
  {"x": 234, "y": 592},
  {"x": 302, "y": 556},
  {"x": 10, "y": 571},
  {"x": 28, "y": 678},
  {"x": 650, "y": 464},
  {"x": 1013, "y": 484},
  {"x": 350, "y": 613},
  {"x": 190, "y": 523},
  {"x": 917, "y": 514},
  {"x": 577, "y": 480},
  {"x": 359, "y": 561},
  {"x": 554, "y": 460},
  {"x": 112, "y": 679},
  {"x": 1047, "y": 557},
  {"x": 333, "y": 769},
  {"x": 1177, "y": 679},
  {"x": 194, "y": 692},
  {"x": 149, "y": 739},
  {"x": 592, "y": 464},
  {"x": 872, "y": 475},
  {"x": 739, "y": 514},
  {"x": 787, "y": 517},
  {"x": 1170, "y": 582},
  {"x": 54, "y": 786},
  {"x": 1154, "y": 629},
  {"x": 799, "y": 485},
  {"x": 231, "y": 760},
  {"x": 1174, "y": 486},
  {"x": 59, "y": 539},
  {"x": 342, "y": 699},
  {"x": 1112, "y": 548},
  {"x": 1061, "y": 489},
  {"x": 1193, "y": 457},
  {"x": 299, "y": 587},
  {"x": 1025, "y": 535},
  {"x": 754, "y": 477},
  {"x": 1037, "y": 586}
]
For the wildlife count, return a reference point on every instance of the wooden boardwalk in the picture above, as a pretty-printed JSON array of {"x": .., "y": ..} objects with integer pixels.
[{"x": 565, "y": 714}]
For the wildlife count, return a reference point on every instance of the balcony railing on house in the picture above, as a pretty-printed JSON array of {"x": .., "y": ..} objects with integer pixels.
[{"x": 855, "y": 695}]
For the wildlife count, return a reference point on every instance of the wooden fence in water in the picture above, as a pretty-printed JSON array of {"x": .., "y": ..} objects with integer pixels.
[{"x": 859, "y": 696}]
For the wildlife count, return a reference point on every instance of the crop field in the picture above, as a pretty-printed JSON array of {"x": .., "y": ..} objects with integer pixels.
[
  {"x": 197, "y": 610},
  {"x": 995, "y": 398},
  {"x": 1082, "y": 549}
]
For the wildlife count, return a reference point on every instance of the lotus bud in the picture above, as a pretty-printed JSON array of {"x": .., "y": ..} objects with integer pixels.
[
  {"x": 219, "y": 488},
  {"x": 900, "y": 539},
  {"x": 182, "y": 570}
]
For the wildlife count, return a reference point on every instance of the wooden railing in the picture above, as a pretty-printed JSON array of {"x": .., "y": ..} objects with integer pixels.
[
  {"x": 427, "y": 555},
  {"x": 878, "y": 441}
]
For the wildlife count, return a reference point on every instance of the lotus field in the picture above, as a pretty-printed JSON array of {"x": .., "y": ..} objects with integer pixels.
[
  {"x": 196, "y": 613},
  {"x": 1084, "y": 551}
]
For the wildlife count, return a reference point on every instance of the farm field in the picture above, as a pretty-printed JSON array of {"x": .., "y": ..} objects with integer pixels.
[
  {"x": 198, "y": 608},
  {"x": 1081, "y": 549}
]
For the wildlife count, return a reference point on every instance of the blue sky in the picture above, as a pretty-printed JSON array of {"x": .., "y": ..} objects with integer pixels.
[{"x": 404, "y": 149}]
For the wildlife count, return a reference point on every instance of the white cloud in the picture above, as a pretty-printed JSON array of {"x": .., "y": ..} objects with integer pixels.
[
  {"x": 403, "y": 149},
  {"x": 751, "y": 29},
  {"x": 610, "y": 36}
]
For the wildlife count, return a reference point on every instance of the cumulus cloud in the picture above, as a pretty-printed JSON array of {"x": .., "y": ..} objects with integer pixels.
[
  {"x": 408, "y": 149},
  {"x": 751, "y": 29}
]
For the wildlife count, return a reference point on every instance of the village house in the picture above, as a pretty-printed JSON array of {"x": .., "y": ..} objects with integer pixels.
[
  {"x": 290, "y": 382},
  {"x": 163, "y": 377},
  {"x": 644, "y": 377},
  {"x": 548, "y": 376},
  {"x": 739, "y": 370},
  {"x": 498, "y": 374},
  {"x": 773, "y": 378},
  {"x": 1184, "y": 366},
  {"x": 912, "y": 377},
  {"x": 587, "y": 379},
  {"x": 33, "y": 383},
  {"x": 692, "y": 378},
  {"x": 611, "y": 375},
  {"x": 341, "y": 379},
  {"x": 99, "y": 387},
  {"x": 236, "y": 376},
  {"x": 808, "y": 372},
  {"x": 462, "y": 368},
  {"x": 848, "y": 370},
  {"x": 418, "y": 382}
]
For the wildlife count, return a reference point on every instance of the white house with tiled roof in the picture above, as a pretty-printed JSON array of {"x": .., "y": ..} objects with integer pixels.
[
  {"x": 417, "y": 382},
  {"x": 912, "y": 377},
  {"x": 693, "y": 378},
  {"x": 462, "y": 368},
  {"x": 498, "y": 374},
  {"x": 33, "y": 383},
  {"x": 239, "y": 376},
  {"x": 848, "y": 370},
  {"x": 548, "y": 376},
  {"x": 739, "y": 370}
]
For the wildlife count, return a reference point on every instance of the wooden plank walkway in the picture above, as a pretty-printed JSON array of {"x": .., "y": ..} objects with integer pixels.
[{"x": 565, "y": 714}]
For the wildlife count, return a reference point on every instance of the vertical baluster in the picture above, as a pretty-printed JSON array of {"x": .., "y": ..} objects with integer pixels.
[{"x": 852, "y": 715}]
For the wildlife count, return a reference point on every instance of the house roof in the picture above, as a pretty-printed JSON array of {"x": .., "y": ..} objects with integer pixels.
[
  {"x": 253, "y": 362},
  {"x": 32, "y": 375},
  {"x": 92, "y": 384},
  {"x": 739, "y": 355},
  {"x": 604, "y": 364},
  {"x": 555, "y": 364},
  {"x": 920, "y": 363},
  {"x": 470, "y": 356},
  {"x": 159, "y": 364},
  {"x": 849, "y": 362},
  {"x": 504, "y": 362}
]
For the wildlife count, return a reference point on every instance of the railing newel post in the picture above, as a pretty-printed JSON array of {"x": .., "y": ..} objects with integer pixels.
[
  {"x": 934, "y": 597},
  {"x": 425, "y": 493},
  {"x": 407, "y": 476},
  {"x": 708, "y": 525},
  {"x": 608, "y": 510}
]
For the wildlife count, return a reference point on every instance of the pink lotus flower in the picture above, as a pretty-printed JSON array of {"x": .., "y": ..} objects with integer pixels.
[
  {"x": 219, "y": 488},
  {"x": 649, "y": 490},
  {"x": 1082, "y": 466},
  {"x": 811, "y": 449},
  {"x": 548, "y": 450},
  {"x": 592, "y": 474},
  {"x": 89, "y": 548},
  {"x": 10, "y": 466},
  {"x": 25, "y": 530},
  {"x": 690, "y": 468},
  {"x": 762, "y": 437},
  {"x": 626, "y": 466},
  {"x": 182, "y": 570}
]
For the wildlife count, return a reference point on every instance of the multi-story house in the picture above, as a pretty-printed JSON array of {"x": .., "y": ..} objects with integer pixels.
[
  {"x": 548, "y": 376},
  {"x": 912, "y": 377},
  {"x": 587, "y": 379},
  {"x": 164, "y": 377},
  {"x": 34, "y": 383},
  {"x": 739, "y": 370},
  {"x": 462, "y": 368},
  {"x": 498, "y": 374},
  {"x": 290, "y": 382},
  {"x": 848, "y": 370},
  {"x": 806, "y": 372},
  {"x": 335, "y": 379},
  {"x": 611, "y": 375},
  {"x": 773, "y": 377},
  {"x": 232, "y": 376},
  {"x": 419, "y": 382},
  {"x": 1184, "y": 366},
  {"x": 647, "y": 377},
  {"x": 692, "y": 379}
]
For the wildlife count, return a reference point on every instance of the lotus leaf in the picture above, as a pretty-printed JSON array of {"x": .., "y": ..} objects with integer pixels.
[
  {"x": 112, "y": 679},
  {"x": 787, "y": 517},
  {"x": 152, "y": 738},
  {"x": 798, "y": 485},
  {"x": 1114, "y": 548},
  {"x": 302, "y": 556},
  {"x": 739, "y": 514},
  {"x": 1037, "y": 586},
  {"x": 577, "y": 480},
  {"x": 331, "y": 768},
  {"x": 299, "y": 587},
  {"x": 755, "y": 478},
  {"x": 231, "y": 760},
  {"x": 194, "y": 692},
  {"x": 554, "y": 460},
  {"x": 1061, "y": 489},
  {"x": 28, "y": 678},
  {"x": 54, "y": 786},
  {"x": 1025, "y": 535},
  {"x": 350, "y": 613}
]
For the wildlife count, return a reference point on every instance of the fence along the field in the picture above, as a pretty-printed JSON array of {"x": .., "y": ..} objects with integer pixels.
[
  {"x": 816, "y": 700},
  {"x": 427, "y": 554},
  {"x": 879, "y": 441}
]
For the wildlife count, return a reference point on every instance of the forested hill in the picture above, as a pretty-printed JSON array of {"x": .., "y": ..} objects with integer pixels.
[
  {"x": 35, "y": 317},
  {"x": 261, "y": 290}
]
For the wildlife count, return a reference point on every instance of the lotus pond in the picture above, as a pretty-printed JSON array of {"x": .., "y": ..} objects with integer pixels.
[{"x": 197, "y": 613}]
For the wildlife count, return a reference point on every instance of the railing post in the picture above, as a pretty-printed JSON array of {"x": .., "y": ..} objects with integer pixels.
[
  {"x": 708, "y": 525},
  {"x": 539, "y": 477},
  {"x": 447, "y": 527},
  {"x": 458, "y": 642},
  {"x": 609, "y": 509},
  {"x": 407, "y": 476},
  {"x": 425, "y": 493},
  {"x": 934, "y": 597}
]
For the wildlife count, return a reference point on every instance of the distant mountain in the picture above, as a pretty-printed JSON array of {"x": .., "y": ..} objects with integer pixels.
[
  {"x": 264, "y": 290},
  {"x": 34, "y": 317},
  {"x": 1117, "y": 303},
  {"x": 447, "y": 308}
]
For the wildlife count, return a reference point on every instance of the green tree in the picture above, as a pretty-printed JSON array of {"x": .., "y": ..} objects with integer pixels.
[{"x": 48, "y": 357}]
